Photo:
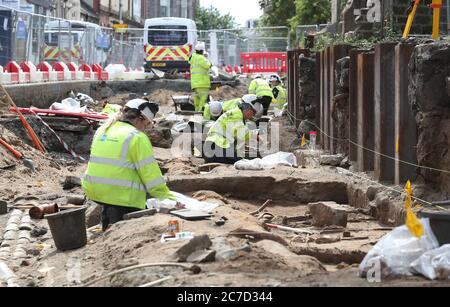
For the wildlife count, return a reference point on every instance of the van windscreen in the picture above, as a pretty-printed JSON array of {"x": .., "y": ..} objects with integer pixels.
[{"x": 167, "y": 35}]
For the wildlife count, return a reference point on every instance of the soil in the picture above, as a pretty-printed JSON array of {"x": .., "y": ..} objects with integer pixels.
[{"x": 247, "y": 254}]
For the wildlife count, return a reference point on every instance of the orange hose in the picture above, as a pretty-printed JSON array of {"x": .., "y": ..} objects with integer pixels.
[
  {"x": 30, "y": 131},
  {"x": 17, "y": 154}
]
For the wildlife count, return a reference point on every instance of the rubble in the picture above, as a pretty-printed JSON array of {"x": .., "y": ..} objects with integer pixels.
[
  {"x": 333, "y": 160},
  {"x": 71, "y": 182},
  {"x": 198, "y": 243},
  {"x": 93, "y": 214},
  {"x": 327, "y": 214},
  {"x": 202, "y": 256}
]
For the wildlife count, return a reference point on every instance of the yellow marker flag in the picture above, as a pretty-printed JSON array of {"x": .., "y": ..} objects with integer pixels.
[
  {"x": 412, "y": 222},
  {"x": 303, "y": 140},
  {"x": 397, "y": 145}
]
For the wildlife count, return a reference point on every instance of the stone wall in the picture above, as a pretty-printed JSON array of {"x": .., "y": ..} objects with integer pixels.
[
  {"x": 429, "y": 69},
  {"x": 368, "y": 15},
  {"x": 307, "y": 91}
]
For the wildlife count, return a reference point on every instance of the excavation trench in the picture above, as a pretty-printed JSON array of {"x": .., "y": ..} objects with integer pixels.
[{"x": 290, "y": 195}]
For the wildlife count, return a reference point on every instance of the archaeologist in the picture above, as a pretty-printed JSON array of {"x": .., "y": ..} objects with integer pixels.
[
  {"x": 261, "y": 88},
  {"x": 215, "y": 109},
  {"x": 122, "y": 169},
  {"x": 110, "y": 108},
  {"x": 227, "y": 138},
  {"x": 279, "y": 92},
  {"x": 200, "y": 80}
]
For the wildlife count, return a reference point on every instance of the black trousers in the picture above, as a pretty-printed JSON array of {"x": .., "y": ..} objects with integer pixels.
[
  {"x": 113, "y": 214},
  {"x": 219, "y": 155},
  {"x": 266, "y": 101}
]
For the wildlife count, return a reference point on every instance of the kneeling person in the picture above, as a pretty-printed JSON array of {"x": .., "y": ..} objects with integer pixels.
[
  {"x": 229, "y": 133},
  {"x": 215, "y": 109},
  {"x": 122, "y": 168}
]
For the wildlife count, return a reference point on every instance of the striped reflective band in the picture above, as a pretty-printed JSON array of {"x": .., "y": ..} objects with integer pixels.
[
  {"x": 118, "y": 163},
  {"x": 115, "y": 182},
  {"x": 123, "y": 163},
  {"x": 126, "y": 144},
  {"x": 153, "y": 183},
  {"x": 145, "y": 162}
]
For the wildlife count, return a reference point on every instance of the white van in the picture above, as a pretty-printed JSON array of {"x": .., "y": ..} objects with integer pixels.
[
  {"x": 169, "y": 42},
  {"x": 75, "y": 41}
]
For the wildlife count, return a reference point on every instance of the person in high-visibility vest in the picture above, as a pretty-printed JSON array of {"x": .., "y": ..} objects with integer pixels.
[
  {"x": 261, "y": 88},
  {"x": 122, "y": 169},
  {"x": 279, "y": 92},
  {"x": 200, "y": 80},
  {"x": 228, "y": 136},
  {"x": 110, "y": 108},
  {"x": 215, "y": 109}
]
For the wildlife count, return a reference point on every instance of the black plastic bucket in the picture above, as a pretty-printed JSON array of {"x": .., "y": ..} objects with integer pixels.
[
  {"x": 68, "y": 228},
  {"x": 440, "y": 225}
]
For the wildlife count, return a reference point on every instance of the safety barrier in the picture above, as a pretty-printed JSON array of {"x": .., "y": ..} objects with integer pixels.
[
  {"x": 260, "y": 62},
  {"x": 27, "y": 72}
]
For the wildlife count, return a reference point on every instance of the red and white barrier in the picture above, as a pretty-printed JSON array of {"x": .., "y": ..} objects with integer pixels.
[
  {"x": 27, "y": 72},
  {"x": 63, "y": 72},
  {"x": 46, "y": 69},
  {"x": 34, "y": 75}
]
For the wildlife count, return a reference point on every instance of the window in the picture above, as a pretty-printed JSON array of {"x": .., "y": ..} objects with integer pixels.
[
  {"x": 184, "y": 8},
  {"x": 167, "y": 35},
  {"x": 164, "y": 8}
]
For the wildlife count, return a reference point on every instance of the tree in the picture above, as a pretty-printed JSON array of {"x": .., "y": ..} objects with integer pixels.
[
  {"x": 294, "y": 12},
  {"x": 210, "y": 18},
  {"x": 277, "y": 12},
  {"x": 310, "y": 12}
]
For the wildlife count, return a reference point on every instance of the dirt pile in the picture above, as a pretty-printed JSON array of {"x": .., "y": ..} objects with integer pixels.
[
  {"x": 227, "y": 92},
  {"x": 164, "y": 97},
  {"x": 16, "y": 178}
]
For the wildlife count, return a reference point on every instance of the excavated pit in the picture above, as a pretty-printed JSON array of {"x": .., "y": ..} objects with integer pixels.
[{"x": 290, "y": 193}]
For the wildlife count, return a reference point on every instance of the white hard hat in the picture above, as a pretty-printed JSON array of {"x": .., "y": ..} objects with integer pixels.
[
  {"x": 257, "y": 76},
  {"x": 250, "y": 98},
  {"x": 200, "y": 46},
  {"x": 274, "y": 77},
  {"x": 253, "y": 100},
  {"x": 215, "y": 108},
  {"x": 144, "y": 106}
]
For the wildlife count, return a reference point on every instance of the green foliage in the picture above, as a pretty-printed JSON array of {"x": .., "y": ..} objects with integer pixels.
[
  {"x": 210, "y": 18},
  {"x": 277, "y": 12},
  {"x": 310, "y": 12},
  {"x": 294, "y": 12}
]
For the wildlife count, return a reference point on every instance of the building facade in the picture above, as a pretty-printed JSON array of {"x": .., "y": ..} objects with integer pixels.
[{"x": 170, "y": 8}]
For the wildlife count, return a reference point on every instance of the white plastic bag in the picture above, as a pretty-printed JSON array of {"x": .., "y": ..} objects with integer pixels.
[
  {"x": 68, "y": 105},
  {"x": 434, "y": 264},
  {"x": 193, "y": 204},
  {"x": 397, "y": 250},
  {"x": 268, "y": 162}
]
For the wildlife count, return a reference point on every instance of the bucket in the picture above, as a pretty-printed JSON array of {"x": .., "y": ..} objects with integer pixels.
[
  {"x": 440, "y": 225},
  {"x": 38, "y": 213},
  {"x": 68, "y": 228}
]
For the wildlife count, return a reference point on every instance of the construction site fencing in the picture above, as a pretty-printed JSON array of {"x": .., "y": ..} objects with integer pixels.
[
  {"x": 225, "y": 46},
  {"x": 36, "y": 38}
]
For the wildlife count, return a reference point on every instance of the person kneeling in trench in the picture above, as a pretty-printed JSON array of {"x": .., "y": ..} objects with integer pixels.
[
  {"x": 225, "y": 140},
  {"x": 122, "y": 170}
]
